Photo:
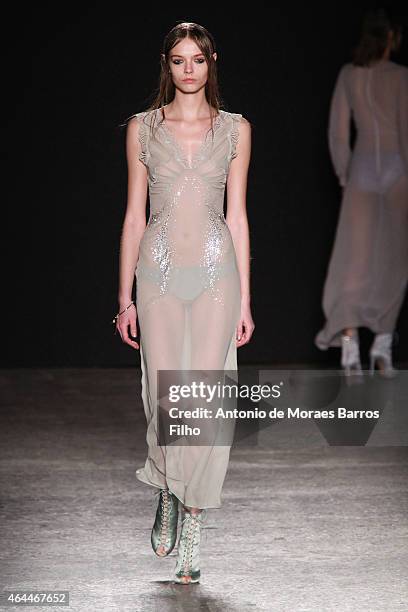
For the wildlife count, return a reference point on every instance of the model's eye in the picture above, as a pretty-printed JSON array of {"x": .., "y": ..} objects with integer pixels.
[{"x": 200, "y": 60}]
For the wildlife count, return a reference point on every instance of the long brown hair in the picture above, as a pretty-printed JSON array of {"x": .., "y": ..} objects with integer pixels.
[
  {"x": 375, "y": 28},
  {"x": 206, "y": 43}
]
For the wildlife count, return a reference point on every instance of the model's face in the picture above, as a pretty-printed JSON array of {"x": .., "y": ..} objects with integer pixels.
[{"x": 186, "y": 61}]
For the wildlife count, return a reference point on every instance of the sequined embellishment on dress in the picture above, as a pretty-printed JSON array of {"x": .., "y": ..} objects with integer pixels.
[
  {"x": 213, "y": 243},
  {"x": 187, "y": 239},
  {"x": 162, "y": 251}
]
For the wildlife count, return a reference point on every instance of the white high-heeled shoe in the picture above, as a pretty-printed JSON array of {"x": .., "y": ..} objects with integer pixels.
[
  {"x": 350, "y": 354},
  {"x": 380, "y": 352}
]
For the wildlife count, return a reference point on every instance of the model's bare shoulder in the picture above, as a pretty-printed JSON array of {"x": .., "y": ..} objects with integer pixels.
[
  {"x": 137, "y": 136},
  {"x": 240, "y": 137},
  {"x": 244, "y": 128},
  {"x": 133, "y": 127},
  {"x": 137, "y": 117},
  {"x": 245, "y": 123},
  {"x": 240, "y": 120}
]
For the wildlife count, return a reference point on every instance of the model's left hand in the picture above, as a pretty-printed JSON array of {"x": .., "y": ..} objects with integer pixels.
[{"x": 245, "y": 326}]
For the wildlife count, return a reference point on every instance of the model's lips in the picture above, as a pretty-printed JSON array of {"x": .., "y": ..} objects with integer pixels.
[{"x": 189, "y": 80}]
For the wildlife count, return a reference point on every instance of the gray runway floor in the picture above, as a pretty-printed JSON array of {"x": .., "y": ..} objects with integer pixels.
[{"x": 313, "y": 528}]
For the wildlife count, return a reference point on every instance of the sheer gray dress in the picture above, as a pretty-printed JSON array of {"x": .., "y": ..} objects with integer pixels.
[
  {"x": 368, "y": 270},
  {"x": 187, "y": 290}
]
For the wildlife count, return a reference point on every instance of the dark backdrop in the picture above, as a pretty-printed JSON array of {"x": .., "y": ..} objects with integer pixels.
[{"x": 76, "y": 75}]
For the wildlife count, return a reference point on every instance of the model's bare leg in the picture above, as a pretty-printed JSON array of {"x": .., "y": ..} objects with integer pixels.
[{"x": 161, "y": 320}]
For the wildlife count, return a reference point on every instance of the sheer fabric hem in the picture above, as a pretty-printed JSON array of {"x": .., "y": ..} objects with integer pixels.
[
  {"x": 190, "y": 503},
  {"x": 326, "y": 339}
]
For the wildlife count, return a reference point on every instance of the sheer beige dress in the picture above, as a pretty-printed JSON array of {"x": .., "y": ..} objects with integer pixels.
[
  {"x": 368, "y": 269},
  {"x": 187, "y": 290}
]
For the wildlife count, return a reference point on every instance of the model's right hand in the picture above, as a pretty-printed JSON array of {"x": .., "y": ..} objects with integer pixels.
[{"x": 127, "y": 323}]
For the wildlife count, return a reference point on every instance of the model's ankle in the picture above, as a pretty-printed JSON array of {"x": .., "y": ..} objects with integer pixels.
[
  {"x": 192, "y": 510},
  {"x": 350, "y": 331}
]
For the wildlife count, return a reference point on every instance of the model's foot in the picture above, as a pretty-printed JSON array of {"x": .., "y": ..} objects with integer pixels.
[
  {"x": 350, "y": 352},
  {"x": 193, "y": 512},
  {"x": 188, "y": 569},
  {"x": 164, "y": 532},
  {"x": 381, "y": 355}
]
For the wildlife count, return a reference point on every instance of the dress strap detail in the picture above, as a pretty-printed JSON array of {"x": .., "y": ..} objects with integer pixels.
[
  {"x": 143, "y": 138},
  {"x": 234, "y": 134}
]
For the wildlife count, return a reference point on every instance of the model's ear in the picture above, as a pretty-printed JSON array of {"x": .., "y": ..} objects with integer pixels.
[{"x": 215, "y": 56}]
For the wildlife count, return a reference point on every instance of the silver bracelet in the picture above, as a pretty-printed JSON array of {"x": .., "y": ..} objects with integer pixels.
[{"x": 120, "y": 313}]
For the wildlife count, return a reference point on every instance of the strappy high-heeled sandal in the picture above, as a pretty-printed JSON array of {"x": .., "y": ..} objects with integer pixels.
[
  {"x": 350, "y": 355},
  {"x": 164, "y": 532},
  {"x": 188, "y": 561},
  {"x": 380, "y": 354}
]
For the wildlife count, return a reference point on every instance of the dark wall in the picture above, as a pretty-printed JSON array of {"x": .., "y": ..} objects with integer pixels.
[{"x": 75, "y": 77}]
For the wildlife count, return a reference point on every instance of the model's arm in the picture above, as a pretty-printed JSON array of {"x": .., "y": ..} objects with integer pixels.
[
  {"x": 237, "y": 222},
  {"x": 133, "y": 228},
  {"x": 339, "y": 129},
  {"x": 402, "y": 116}
]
